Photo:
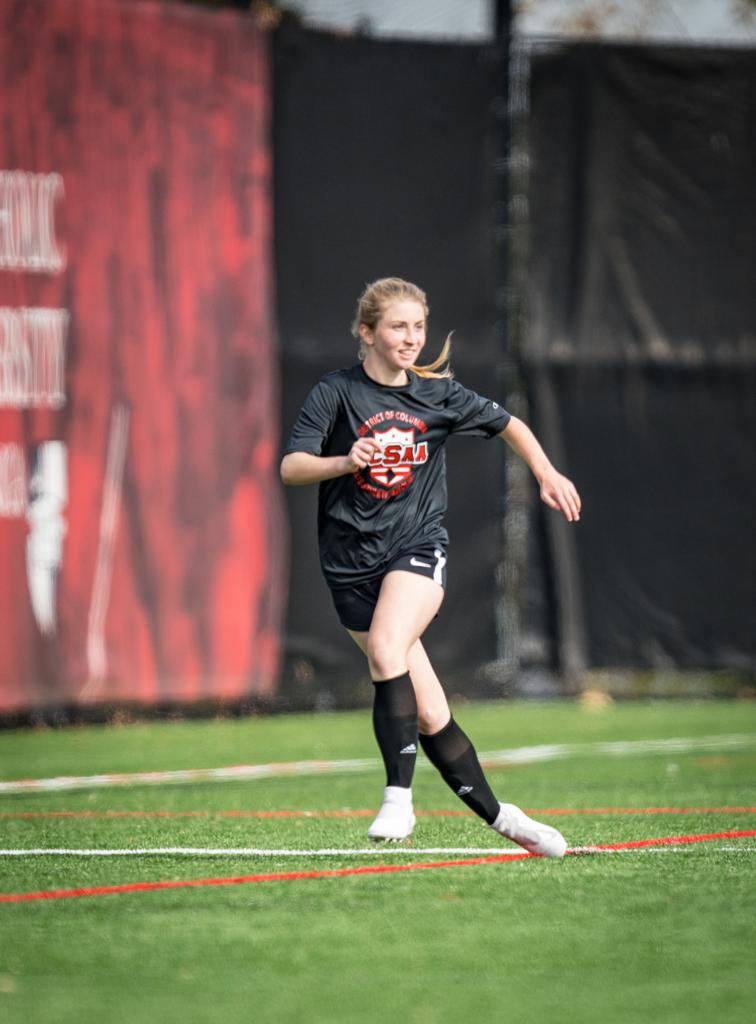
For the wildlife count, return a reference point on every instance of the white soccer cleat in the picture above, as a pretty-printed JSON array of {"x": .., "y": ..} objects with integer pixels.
[
  {"x": 531, "y": 835},
  {"x": 396, "y": 819}
]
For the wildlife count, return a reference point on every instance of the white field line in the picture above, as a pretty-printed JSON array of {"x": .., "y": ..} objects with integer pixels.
[
  {"x": 623, "y": 748},
  {"x": 249, "y": 851},
  {"x": 380, "y": 851},
  {"x": 512, "y": 756},
  {"x": 234, "y": 772}
]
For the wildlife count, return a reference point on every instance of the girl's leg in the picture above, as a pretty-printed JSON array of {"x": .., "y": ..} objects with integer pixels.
[
  {"x": 432, "y": 707},
  {"x": 449, "y": 749},
  {"x": 409, "y": 694},
  {"x": 433, "y": 711},
  {"x": 406, "y": 604},
  {"x": 446, "y": 746},
  {"x": 444, "y": 742}
]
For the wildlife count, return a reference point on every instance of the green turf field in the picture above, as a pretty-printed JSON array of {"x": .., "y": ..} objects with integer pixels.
[{"x": 662, "y": 932}]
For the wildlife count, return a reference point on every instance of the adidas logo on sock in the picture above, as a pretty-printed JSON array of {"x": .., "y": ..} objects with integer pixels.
[
  {"x": 410, "y": 749},
  {"x": 464, "y": 790}
]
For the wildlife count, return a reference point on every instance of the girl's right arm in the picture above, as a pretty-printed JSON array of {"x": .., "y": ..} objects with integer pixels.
[{"x": 299, "y": 468}]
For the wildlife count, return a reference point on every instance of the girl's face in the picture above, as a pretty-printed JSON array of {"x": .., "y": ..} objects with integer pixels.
[{"x": 398, "y": 337}]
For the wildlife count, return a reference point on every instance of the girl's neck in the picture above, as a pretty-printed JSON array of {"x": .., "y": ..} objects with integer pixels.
[{"x": 385, "y": 375}]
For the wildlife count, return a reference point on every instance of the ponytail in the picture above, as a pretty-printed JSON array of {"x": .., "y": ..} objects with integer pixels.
[{"x": 439, "y": 369}]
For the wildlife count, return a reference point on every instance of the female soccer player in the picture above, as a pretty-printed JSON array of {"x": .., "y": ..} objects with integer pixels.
[{"x": 373, "y": 437}]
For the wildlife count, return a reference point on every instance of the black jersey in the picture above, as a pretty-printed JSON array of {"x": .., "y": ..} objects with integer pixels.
[{"x": 367, "y": 518}]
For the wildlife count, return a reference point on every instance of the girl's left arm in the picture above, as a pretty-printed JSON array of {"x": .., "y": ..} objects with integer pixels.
[{"x": 556, "y": 490}]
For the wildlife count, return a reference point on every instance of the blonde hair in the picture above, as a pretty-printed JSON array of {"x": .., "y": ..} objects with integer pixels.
[{"x": 371, "y": 306}]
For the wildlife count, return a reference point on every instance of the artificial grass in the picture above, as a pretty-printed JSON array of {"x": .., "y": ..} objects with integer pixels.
[{"x": 622, "y": 936}]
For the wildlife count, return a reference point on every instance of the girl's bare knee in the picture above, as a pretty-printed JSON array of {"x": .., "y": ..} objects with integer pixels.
[
  {"x": 432, "y": 720},
  {"x": 386, "y": 660}
]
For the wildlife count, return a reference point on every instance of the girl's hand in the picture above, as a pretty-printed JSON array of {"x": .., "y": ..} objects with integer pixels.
[
  {"x": 361, "y": 453},
  {"x": 560, "y": 494}
]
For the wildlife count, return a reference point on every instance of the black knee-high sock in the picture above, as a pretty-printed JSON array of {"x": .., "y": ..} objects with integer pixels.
[
  {"x": 395, "y": 725},
  {"x": 453, "y": 754}
]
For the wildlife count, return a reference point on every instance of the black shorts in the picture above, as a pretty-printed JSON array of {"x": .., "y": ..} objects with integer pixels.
[{"x": 355, "y": 605}]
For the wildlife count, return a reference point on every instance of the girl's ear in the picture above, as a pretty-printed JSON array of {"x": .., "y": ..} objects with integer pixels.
[{"x": 366, "y": 334}]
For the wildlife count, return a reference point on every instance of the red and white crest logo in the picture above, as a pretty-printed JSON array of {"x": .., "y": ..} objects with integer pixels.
[{"x": 397, "y": 456}]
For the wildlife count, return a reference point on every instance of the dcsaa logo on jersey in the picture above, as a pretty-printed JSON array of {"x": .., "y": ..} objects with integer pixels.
[{"x": 394, "y": 462}]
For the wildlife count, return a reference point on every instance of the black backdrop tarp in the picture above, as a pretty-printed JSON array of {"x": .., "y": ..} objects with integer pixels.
[
  {"x": 641, "y": 352},
  {"x": 384, "y": 165}
]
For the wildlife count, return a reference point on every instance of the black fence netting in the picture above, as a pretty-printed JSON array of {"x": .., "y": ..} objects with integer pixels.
[
  {"x": 385, "y": 165},
  {"x": 640, "y": 353}
]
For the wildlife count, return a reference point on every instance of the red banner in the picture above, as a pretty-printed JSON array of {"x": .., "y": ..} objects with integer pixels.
[{"x": 141, "y": 538}]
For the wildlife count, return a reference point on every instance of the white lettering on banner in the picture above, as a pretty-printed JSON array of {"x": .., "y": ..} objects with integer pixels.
[
  {"x": 27, "y": 221},
  {"x": 12, "y": 481},
  {"x": 32, "y": 376},
  {"x": 32, "y": 358}
]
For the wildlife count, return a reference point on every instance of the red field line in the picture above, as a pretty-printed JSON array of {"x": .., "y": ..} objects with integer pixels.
[
  {"x": 645, "y": 810},
  {"x": 637, "y": 844},
  {"x": 23, "y": 815},
  {"x": 369, "y": 869}
]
